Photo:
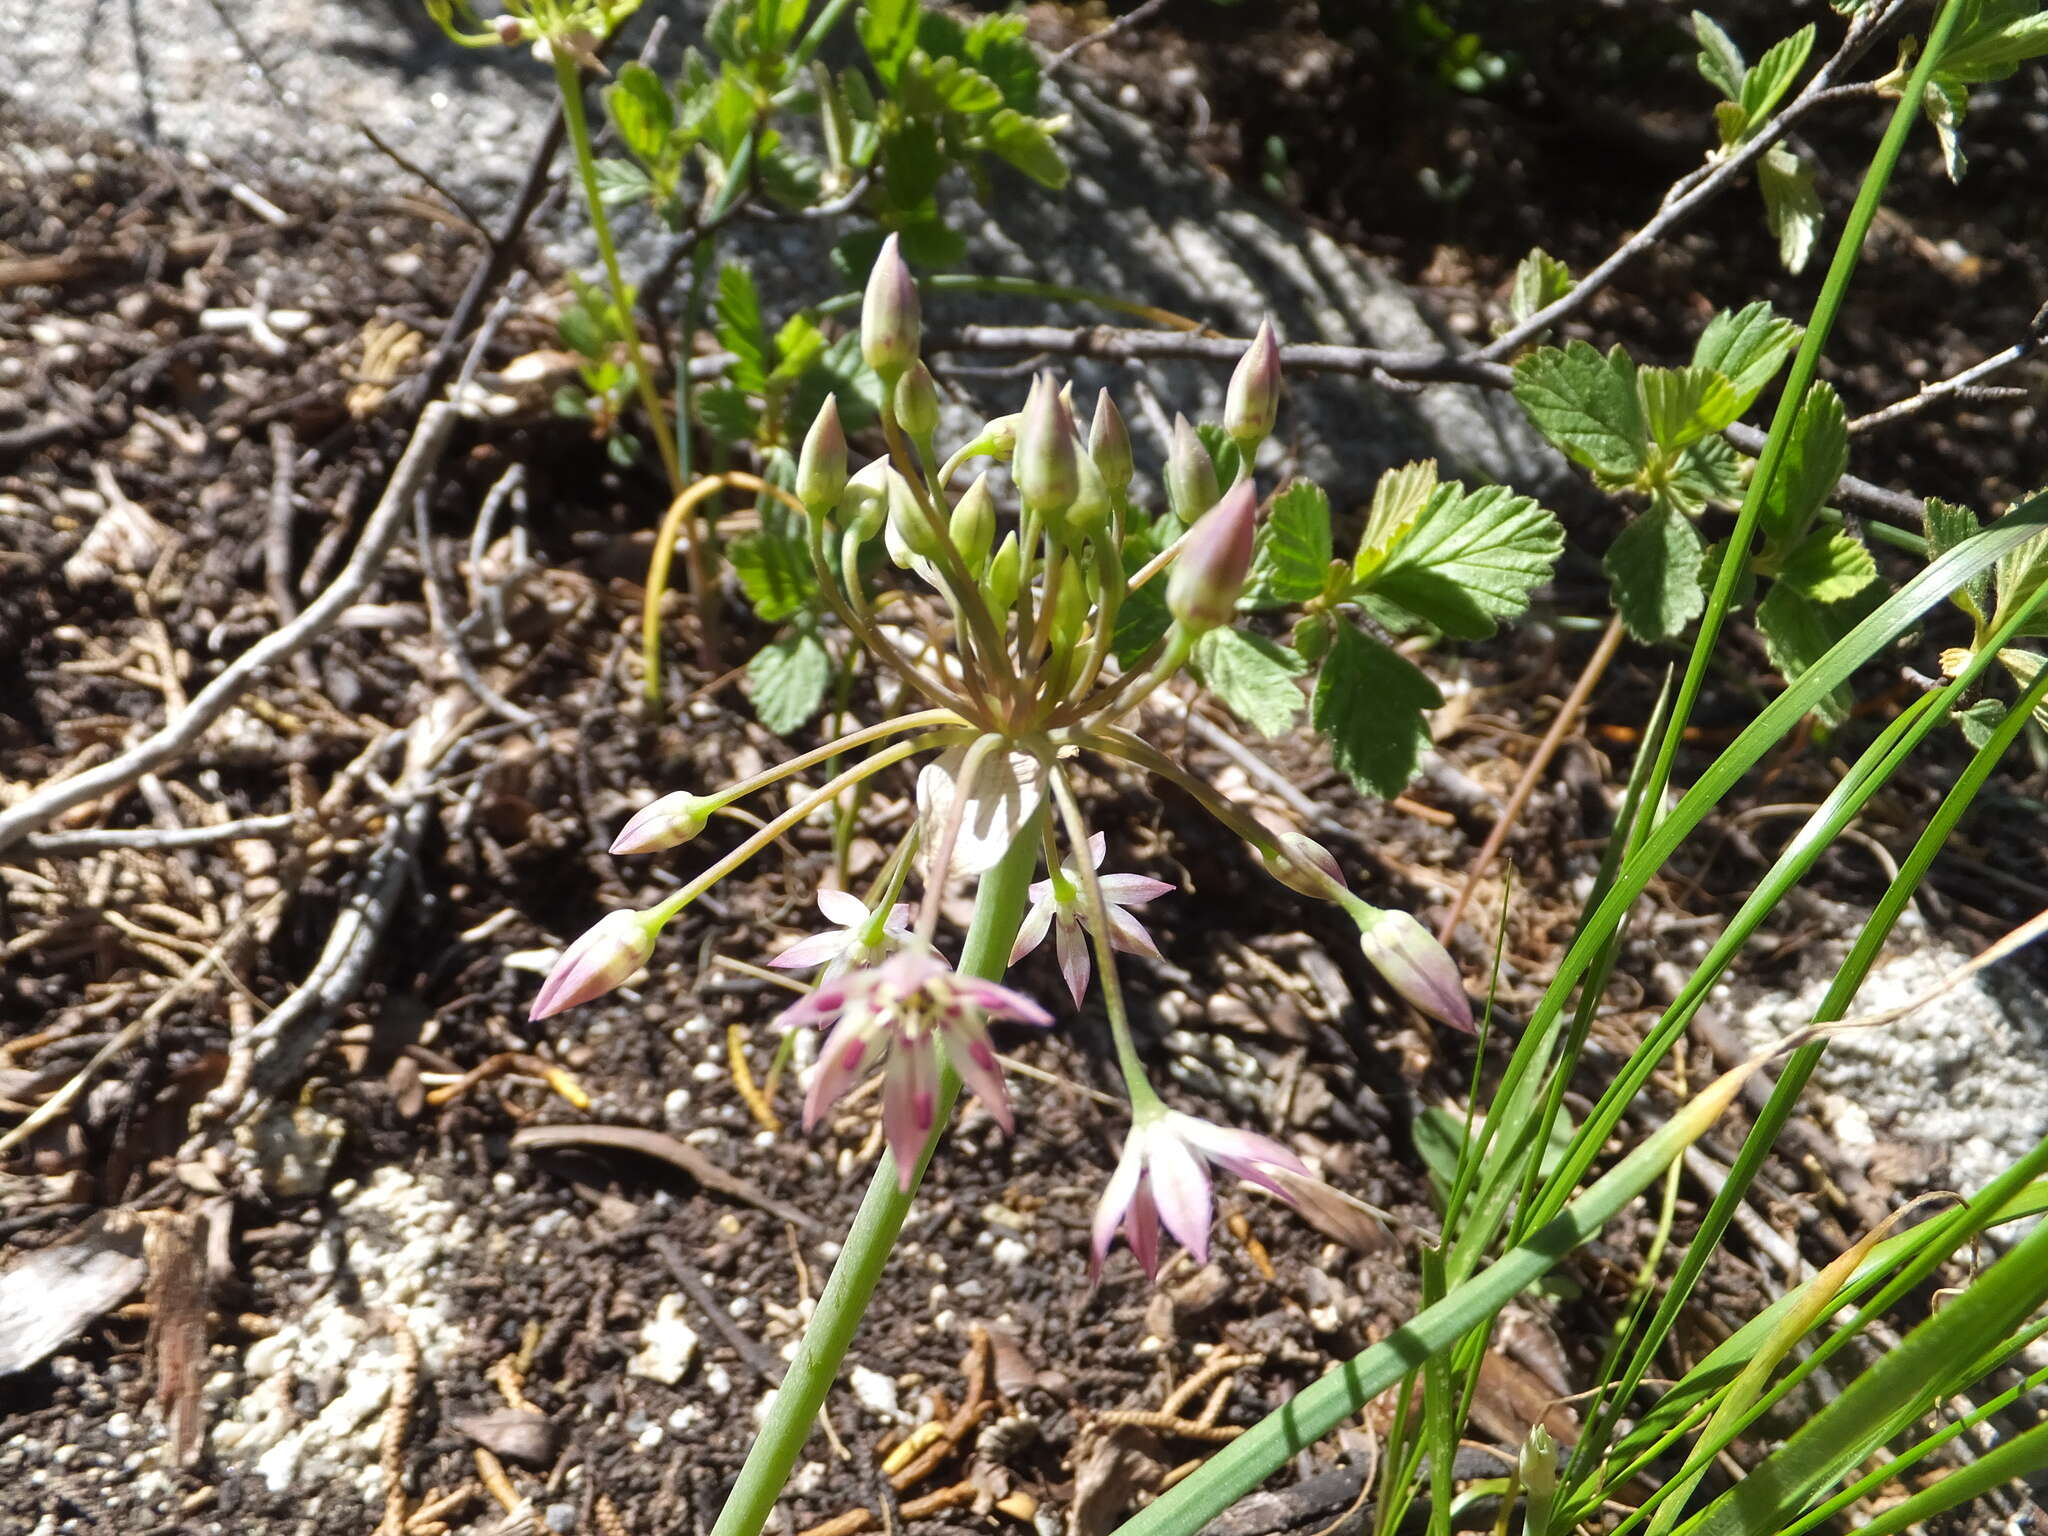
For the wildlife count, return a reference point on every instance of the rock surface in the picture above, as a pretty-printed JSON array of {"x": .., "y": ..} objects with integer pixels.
[{"x": 285, "y": 92}]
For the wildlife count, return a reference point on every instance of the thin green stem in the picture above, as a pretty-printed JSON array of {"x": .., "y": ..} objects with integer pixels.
[
  {"x": 998, "y": 912},
  {"x": 1136, "y": 1084}
]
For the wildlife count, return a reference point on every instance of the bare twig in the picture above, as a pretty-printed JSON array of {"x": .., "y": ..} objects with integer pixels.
[
  {"x": 166, "y": 744},
  {"x": 1965, "y": 385},
  {"x": 65, "y": 845},
  {"x": 450, "y": 635},
  {"x": 1133, "y": 18},
  {"x": 277, "y": 540}
]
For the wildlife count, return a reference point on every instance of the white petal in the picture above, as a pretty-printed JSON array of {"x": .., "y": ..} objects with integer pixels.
[
  {"x": 842, "y": 908},
  {"x": 1007, "y": 792}
]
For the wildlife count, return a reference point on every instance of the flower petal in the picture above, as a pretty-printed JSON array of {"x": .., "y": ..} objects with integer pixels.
[
  {"x": 1006, "y": 794},
  {"x": 1072, "y": 950},
  {"x": 819, "y": 1005},
  {"x": 1235, "y": 1150},
  {"x": 1128, "y": 934},
  {"x": 1141, "y": 1230},
  {"x": 842, "y": 908},
  {"x": 1098, "y": 845},
  {"x": 1115, "y": 1203},
  {"x": 1180, "y": 1185},
  {"x": 910, "y": 1094},
  {"x": 818, "y": 949},
  {"x": 839, "y": 1063},
  {"x": 1133, "y": 890},
  {"x": 1031, "y": 932},
  {"x": 1001, "y": 1002},
  {"x": 967, "y": 1045}
]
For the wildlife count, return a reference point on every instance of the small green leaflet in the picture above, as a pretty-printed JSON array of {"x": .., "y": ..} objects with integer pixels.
[
  {"x": 1791, "y": 205},
  {"x": 1992, "y": 38},
  {"x": 787, "y": 680},
  {"x": 774, "y": 565},
  {"x": 1816, "y": 453},
  {"x": 1292, "y": 564},
  {"x": 1470, "y": 559},
  {"x": 1797, "y": 633},
  {"x": 1720, "y": 61},
  {"x": 1828, "y": 567},
  {"x": 643, "y": 112},
  {"x": 1686, "y": 404},
  {"x": 1709, "y": 473},
  {"x": 1947, "y": 526},
  {"x": 1369, "y": 703},
  {"x": 1748, "y": 345},
  {"x": 1766, "y": 84},
  {"x": 1026, "y": 143},
  {"x": 740, "y": 330},
  {"x": 1654, "y": 568},
  {"x": 1980, "y": 721},
  {"x": 1540, "y": 281},
  {"x": 1397, "y": 501},
  {"x": 1254, "y": 677},
  {"x": 2020, "y": 575},
  {"x": 1586, "y": 404}
]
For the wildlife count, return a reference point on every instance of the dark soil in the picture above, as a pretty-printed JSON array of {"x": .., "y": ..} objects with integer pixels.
[{"x": 1262, "y": 1015}]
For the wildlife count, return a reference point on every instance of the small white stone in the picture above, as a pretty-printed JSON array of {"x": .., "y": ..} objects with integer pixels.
[
  {"x": 1010, "y": 1252},
  {"x": 718, "y": 1381},
  {"x": 876, "y": 1393},
  {"x": 667, "y": 1344}
]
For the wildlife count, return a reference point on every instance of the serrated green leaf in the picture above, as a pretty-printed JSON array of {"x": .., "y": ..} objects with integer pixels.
[
  {"x": 1773, "y": 75},
  {"x": 1944, "y": 103},
  {"x": 1720, "y": 61},
  {"x": 1979, "y": 721},
  {"x": 726, "y": 412},
  {"x": 1540, "y": 281},
  {"x": 1797, "y": 632},
  {"x": 1730, "y": 123},
  {"x": 1816, "y": 453},
  {"x": 787, "y": 178},
  {"x": 1292, "y": 563},
  {"x": 1947, "y": 526},
  {"x": 1026, "y": 143},
  {"x": 962, "y": 88},
  {"x": 1683, "y": 405},
  {"x": 1749, "y": 345},
  {"x": 642, "y": 112},
  {"x": 1587, "y": 405},
  {"x": 1254, "y": 678},
  {"x": 582, "y": 332},
  {"x": 1829, "y": 566},
  {"x": 776, "y": 574},
  {"x": 1398, "y": 500},
  {"x": 1991, "y": 39},
  {"x": 738, "y": 313},
  {"x": 1791, "y": 205},
  {"x": 2020, "y": 575},
  {"x": 798, "y": 345},
  {"x": 788, "y": 679},
  {"x": 1708, "y": 474},
  {"x": 1370, "y": 704},
  {"x": 1000, "y": 50},
  {"x": 1472, "y": 559},
  {"x": 621, "y": 183},
  {"x": 888, "y": 31},
  {"x": 1654, "y": 569}
]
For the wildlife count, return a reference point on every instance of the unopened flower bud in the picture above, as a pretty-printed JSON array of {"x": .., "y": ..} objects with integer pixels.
[
  {"x": 1070, "y": 605},
  {"x": 864, "y": 506},
  {"x": 908, "y": 534},
  {"x": 917, "y": 402},
  {"x": 665, "y": 823},
  {"x": 1002, "y": 436},
  {"x": 821, "y": 467},
  {"x": 1091, "y": 505},
  {"x": 1414, "y": 964},
  {"x": 889, "y": 316},
  {"x": 510, "y": 29},
  {"x": 1252, "y": 403},
  {"x": 1045, "y": 470},
  {"x": 1214, "y": 560},
  {"x": 1305, "y": 865},
  {"x": 1109, "y": 444},
  {"x": 1191, "y": 486},
  {"x": 973, "y": 526},
  {"x": 1005, "y": 572},
  {"x": 604, "y": 958}
]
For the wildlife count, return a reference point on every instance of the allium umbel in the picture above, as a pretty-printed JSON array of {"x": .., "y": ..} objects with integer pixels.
[
  {"x": 903, "y": 1012},
  {"x": 1161, "y": 1181}
]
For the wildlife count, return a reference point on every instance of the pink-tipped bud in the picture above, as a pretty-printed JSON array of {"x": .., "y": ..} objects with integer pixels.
[
  {"x": 510, "y": 29},
  {"x": 1252, "y": 404},
  {"x": 821, "y": 467},
  {"x": 1047, "y": 476},
  {"x": 1414, "y": 965},
  {"x": 665, "y": 823},
  {"x": 603, "y": 959},
  {"x": 890, "y": 324},
  {"x": 1109, "y": 444},
  {"x": 1191, "y": 487},
  {"x": 1214, "y": 560},
  {"x": 917, "y": 402},
  {"x": 1305, "y": 865}
]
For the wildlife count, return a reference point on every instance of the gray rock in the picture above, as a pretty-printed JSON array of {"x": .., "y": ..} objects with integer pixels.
[{"x": 284, "y": 93}]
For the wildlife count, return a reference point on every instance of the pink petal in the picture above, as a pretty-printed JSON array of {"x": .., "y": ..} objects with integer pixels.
[
  {"x": 967, "y": 1045},
  {"x": 1111, "y": 1209},
  {"x": 1133, "y": 890},
  {"x": 898, "y": 920},
  {"x": 1230, "y": 1147},
  {"x": 818, "y": 949},
  {"x": 1072, "y": 950},
  {"x": 910, "y": 1094},
  {"x": 1128, "y": 934},
  {"x": 839, "y": 1063},
  {"x": 821, "y": 1004},
  {"x": 843, "y": 909},
  {"x": 1141, "y": 1230},
  {"x": 1001, "y": 1002},
  {"x": 1180, "y": 1185},
  {"x": 1098, "y": 845},
  {"x": 1031, "y": 932}
]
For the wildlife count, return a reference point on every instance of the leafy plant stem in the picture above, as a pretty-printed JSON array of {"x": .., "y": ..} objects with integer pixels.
[{"x": 999, "y": 907}]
